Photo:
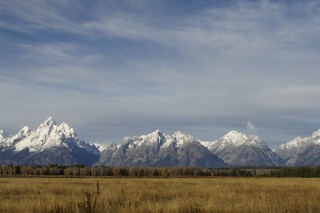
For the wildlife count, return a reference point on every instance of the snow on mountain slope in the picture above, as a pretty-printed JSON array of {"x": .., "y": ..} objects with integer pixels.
[
  {"x": 288, "y": 150},
  {"x": 237, "y": 139},
  {"x": 180, "y": 149},
  {"x": 48, "y": 144},
  {"x": 58, "y": 144},
  {"x": 11, "y": 140},
  {"x": 182, "y": 138},
  {"x": 238, "y": 149},
  {"x": 155, "y": 138},
  {"x": 46, "y": 136},
  {"x": 100, "y": 147},
  {"x": 159, "y": 149},
  {"x": 206, "y": 144},
  {"x": 316, "y": 137},
  {"x": 301, "y": 151},
  {"x": 2, "y": 137}
]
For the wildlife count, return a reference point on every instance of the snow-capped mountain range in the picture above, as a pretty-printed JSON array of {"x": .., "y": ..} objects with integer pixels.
[
  {"x": 238, "y": 149},
  {"x": 301, "y": 151},
  {"x": 58, "y": 144},
  {"x": 48, "y": 144},
  {"x": 158, "y": 149}
]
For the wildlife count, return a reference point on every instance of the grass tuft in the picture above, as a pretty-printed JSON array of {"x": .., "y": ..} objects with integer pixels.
[{"x": 176, "y": 195}]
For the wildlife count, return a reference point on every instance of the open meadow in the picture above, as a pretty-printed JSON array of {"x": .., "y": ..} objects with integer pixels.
[{"x": 183, "y": 195}]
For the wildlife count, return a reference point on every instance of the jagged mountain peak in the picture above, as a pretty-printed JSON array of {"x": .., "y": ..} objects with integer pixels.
[
  {"x": 180, "y": 134},
  {"x": 48, "y": 123},
  {"x": 50, "y": 127},
  {"x": 237, "y": 148},
  {"x": 102, "y": 147},
  {"x": 293, "y": 147},
  {"x": 24, "y": 131},
  {"x": 156, "y": 133},
  {"x": 2, "y": 136},
  {"x": 294, "y": 143},
  {"x": 182, "y": 138},
  {"x": 316, "y": 134},
  {"x": 301, "y": 141},
  {"x": 237, "y": 139},
  {"x": 46, "y": 136},
  {"x": 66, "y": 130},
  {"x": 48, "y": 144},
  {"x": 154, "y": 138},
  {"x": 301, "y": 151},
  {"x": 158, "y": 149},
  {"x": 7, "y": 141},
  {"x": 153, "y": 135},
  {"x": 235, "y": 134}
]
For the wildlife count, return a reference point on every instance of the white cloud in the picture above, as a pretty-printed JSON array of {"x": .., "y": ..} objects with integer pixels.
[
  {"x": 251, "y": 128},
  {"x": 249, "y": 59}
]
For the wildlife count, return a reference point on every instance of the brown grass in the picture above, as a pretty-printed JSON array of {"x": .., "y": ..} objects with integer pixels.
[{"x": 183, "y": 195}]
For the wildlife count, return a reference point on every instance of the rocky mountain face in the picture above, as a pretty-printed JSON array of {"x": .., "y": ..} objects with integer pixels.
[
  {"x": 158, "y": 149},
  {"x": 238, "y": 149},
  {"x": 301, "y": 151},
  {"x": 48, "y": 144},
  {"x": 58, "y": 144}
]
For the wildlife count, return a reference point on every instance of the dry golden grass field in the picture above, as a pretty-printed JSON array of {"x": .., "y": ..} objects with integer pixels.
[{"x": 159, "y": 195}]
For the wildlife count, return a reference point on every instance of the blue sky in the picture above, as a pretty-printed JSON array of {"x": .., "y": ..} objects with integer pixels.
[{"x": 121, "y": 68}]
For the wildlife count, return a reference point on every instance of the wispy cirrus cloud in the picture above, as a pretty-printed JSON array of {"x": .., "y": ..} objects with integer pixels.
[{"x": 201, "y": 67}]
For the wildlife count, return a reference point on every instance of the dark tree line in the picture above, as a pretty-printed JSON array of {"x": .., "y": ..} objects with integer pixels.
[{"x": 102, "y": 171}]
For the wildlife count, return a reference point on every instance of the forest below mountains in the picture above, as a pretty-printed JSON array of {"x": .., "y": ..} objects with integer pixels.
[{"x": 101, "y": 171}]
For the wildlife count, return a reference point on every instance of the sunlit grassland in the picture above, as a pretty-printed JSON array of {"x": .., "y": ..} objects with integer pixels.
[{"x": 159, "y": 195}]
